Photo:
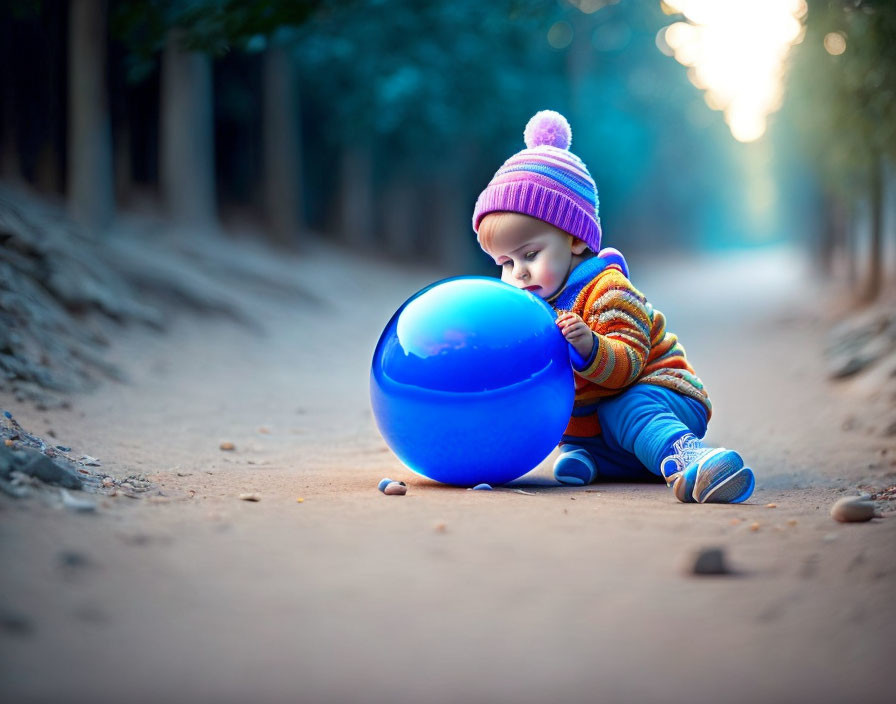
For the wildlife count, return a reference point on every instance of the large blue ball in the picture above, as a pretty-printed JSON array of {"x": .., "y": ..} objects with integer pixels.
[{"x": 471, "y": 382}]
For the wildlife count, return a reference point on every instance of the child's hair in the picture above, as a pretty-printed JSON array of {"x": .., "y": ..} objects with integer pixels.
[
  {"x": 545, "y": 181},
  {"x": 491, "y": 223}
]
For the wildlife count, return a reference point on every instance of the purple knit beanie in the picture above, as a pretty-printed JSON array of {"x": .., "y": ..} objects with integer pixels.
[{"x": 546, "y": 181}]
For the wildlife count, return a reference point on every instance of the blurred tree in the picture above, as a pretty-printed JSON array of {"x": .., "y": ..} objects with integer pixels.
[
  {"x": 413, "y": 94},
  {"x": 91, "y": 189},
  {"x": 283, "y": 189},
  {"x": 848, "y": 121},
  {"x": 188, "y": 33},
  {"x": 186, "y": 169}
]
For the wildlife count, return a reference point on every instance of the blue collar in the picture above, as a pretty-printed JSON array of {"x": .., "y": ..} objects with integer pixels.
[{"x": 585, "y": 273}]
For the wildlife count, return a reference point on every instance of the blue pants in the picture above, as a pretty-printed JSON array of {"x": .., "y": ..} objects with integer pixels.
[{"x": 638, "y": 427}]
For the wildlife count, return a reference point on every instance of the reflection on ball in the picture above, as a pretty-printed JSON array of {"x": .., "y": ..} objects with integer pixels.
[{"x": 471, "y": 382}]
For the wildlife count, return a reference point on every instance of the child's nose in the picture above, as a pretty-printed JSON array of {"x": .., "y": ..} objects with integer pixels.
[{"x": 520, "y": 271}]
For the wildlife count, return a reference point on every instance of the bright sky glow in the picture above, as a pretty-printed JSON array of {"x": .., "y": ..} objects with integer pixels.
[{"x": 735, "y": 52}]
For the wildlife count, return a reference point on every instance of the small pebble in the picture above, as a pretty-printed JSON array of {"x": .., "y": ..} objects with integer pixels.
[
  {"x": 771, "y": 505},
  {"x": 396, "y": 489},
  {"x": 71, "y": 558},
  {"x": 384, "y": 483},
  {"x": 710, "y": 561},
  {"x": 440, "y": 528},
  {"x": 299, "y": 500},
  {"x": 250, "y": 497},
  {"x": 15, "y": 623},
  {"x": 754, "y": 527},
  {"x": 228, "y": 446},
  {"x": 7, "y": 442},
  {"x": 735, "y": 521},
  {"x": 791, "y": 522},
  {"x": 78, "y": 505},
  {"x": 483, "y": 487},
  {"x": 264, "y": 431},
  {"x": 854, "y": 509}
]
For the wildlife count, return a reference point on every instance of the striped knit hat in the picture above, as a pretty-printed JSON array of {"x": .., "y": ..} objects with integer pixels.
[{"x": 546, "y": 181}]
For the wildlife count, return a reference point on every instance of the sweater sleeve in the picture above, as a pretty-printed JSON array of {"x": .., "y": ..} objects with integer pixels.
[{"x": 619, "y": 316}]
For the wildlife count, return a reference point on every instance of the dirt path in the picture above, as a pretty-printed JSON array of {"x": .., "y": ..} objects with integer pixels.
[{"x": 445, "y": 595}]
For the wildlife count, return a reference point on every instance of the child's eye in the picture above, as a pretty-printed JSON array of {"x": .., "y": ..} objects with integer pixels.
[
  {"x": 507, "y": 263},
  {"x": 531, "y": 255}
]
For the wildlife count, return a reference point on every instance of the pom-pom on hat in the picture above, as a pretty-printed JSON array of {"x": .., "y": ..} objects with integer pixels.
[{"x": 546, "y": 181}]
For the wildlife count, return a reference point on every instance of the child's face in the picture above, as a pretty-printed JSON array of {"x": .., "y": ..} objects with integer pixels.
[{"x": 532, "y": 254}]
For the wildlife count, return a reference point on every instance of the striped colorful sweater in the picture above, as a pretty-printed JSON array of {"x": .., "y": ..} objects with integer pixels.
[{"x": 631, "y": 343}]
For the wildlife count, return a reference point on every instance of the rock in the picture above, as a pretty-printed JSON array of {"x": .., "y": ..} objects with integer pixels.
[
  {"x": 250, "y": 497},
  {"x": 710, "y": 561},
  {"x": 854, "y": 509},
  {"x": 72, "y": 559},
  {"x": 89, "y": 461},
  {"x": 39, "y": 466},
  {"x": 15, "y": 623},
  {"x": 14, "y": 490},
  {"x": 9, "y": 460},
  {"x": 384, "y": 483},
  {"x": 76, "y": 504},
  {"x": 396, "y": 489},
  {"x": 228, "y": 446}
]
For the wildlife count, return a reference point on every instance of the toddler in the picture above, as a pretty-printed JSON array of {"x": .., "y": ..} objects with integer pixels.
[{"x": 640, "y": 410}]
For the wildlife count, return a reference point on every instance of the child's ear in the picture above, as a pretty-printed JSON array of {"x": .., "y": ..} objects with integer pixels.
[{"x": 578, "y": 246}]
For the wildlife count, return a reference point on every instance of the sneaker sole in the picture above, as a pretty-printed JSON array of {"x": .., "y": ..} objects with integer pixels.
[
  {"x": 721, "y": 477},
  {"x": 734, "y": 490}
]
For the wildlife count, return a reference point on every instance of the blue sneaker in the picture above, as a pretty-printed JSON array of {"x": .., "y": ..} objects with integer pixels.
[
  {"x": 703, "y": 474},
  {"x": 574, "y": 467}
]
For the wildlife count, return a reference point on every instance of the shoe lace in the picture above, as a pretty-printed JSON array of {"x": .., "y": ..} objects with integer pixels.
[{"x": 687, "y": 449}]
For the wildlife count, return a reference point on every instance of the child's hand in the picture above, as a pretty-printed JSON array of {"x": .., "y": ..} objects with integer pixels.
[{"x": 576, "y": 332}]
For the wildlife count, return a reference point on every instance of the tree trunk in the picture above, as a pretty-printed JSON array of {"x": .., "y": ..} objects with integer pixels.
[
  {"x": 10, "y": 165},
  {"x": 889, "y": 225},
  {"x": 124, "y": 168},
  {"x": 579, "y": 59},
  {"x": 355, "y": 203},
  {"x": 875, "y": 244},
  {"x": 453, "y": 238},
  {"x": 187, "y": 169},
  {"x": 90, "y": 185},
  {"x": 282, "y": 156},
  {"x": 829, "y": 235},
  {"x": 399, "y": 216}
]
